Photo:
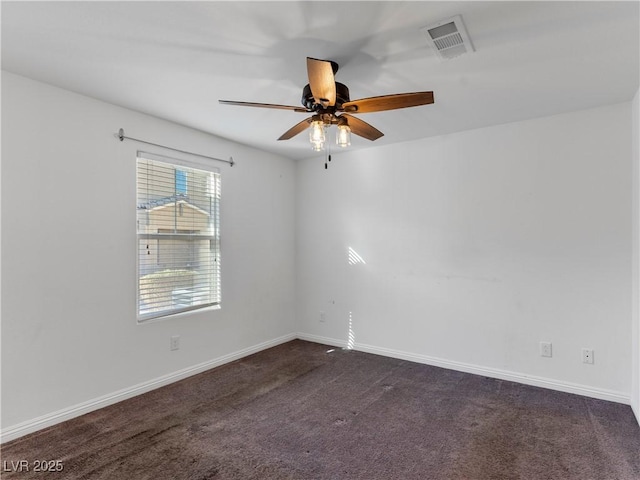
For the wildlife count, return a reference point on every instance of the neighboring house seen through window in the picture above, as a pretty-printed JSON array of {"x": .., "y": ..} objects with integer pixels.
[{"x": 178, "y": 236}]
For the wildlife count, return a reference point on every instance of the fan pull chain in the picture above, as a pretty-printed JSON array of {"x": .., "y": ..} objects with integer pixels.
[{"x": 327, "y": 158}]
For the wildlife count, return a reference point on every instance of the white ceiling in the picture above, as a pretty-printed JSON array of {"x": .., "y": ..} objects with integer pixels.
[{"x": 175, "y": 60}]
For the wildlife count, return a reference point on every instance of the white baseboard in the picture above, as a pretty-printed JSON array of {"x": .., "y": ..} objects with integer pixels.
[
  {"x": 30, "y": 426},
  {"x": 552, "y": 384},
  {"x": 59, "y": 416},
  {"x": 323, "y": 340}
]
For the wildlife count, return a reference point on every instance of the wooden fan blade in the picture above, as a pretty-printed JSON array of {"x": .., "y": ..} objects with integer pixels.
[
  {"x": 263, "y": 105},
  {"x": 362, "y": 128},
  {"x": 388, "y": 102},
  {"x": 322, "y": 81},
  {"x": 296, "y": 129}
]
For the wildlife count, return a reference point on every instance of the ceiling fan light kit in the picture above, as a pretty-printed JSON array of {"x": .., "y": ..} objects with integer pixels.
[
  {"x": 317, "y": 135},
  {"x": 343, "y": 135},
  {"x": 330, "y": 104}
]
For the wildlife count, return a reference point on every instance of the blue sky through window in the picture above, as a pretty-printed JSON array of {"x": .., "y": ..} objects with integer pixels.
[{"x": 181, "y": 182}]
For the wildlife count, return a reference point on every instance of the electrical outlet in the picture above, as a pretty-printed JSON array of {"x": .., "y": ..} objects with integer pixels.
[
  {"x": 587, "y": 356},
  {"x": 323, "y": 317},
  {"x": 545, "y": 349},
  {"x": 175, "y": 342}
]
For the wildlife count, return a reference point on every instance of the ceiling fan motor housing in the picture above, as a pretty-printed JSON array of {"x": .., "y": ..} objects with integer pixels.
[{"x": 342, "y": 96}]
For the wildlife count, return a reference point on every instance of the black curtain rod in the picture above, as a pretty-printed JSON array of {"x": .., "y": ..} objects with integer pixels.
[{"x": 122, "y": 136}]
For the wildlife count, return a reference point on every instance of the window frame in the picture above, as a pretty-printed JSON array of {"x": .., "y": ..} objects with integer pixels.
[{"x": 214, "y": 238}]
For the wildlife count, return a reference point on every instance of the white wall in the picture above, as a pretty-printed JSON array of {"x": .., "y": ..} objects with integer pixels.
[
  {"x": 69, "y": 332},
  {"x": 478, "y": 245},
  {"x": 635, "y": 336}
]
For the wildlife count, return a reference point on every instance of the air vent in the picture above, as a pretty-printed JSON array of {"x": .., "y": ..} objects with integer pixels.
[{"x": 448, "y": 38}]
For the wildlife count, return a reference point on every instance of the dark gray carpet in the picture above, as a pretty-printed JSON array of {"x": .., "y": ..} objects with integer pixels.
[{"x": 298, "y": 412}]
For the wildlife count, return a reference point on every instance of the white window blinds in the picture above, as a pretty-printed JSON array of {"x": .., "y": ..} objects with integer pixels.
[{"x": 178, "y": 236}]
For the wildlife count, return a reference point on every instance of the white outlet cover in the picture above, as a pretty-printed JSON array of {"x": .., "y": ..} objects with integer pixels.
[{"x": 545, "y": 349}]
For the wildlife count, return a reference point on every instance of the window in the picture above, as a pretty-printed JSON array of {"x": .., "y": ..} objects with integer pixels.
[{"x": 178, "y": 236}]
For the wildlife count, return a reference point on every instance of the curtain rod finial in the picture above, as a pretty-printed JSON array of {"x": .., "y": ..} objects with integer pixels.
[
  {"x": 121, "y": 134},
  {"x": 231, "y": 162}
]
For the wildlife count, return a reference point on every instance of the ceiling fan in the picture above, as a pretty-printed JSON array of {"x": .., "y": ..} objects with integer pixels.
[{"x": 330, "y": 104}]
